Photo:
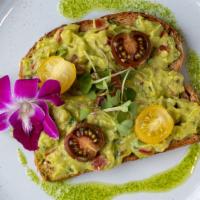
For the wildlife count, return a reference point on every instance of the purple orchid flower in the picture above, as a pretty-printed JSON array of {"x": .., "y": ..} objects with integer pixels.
[{"x": 27, "y": 109}]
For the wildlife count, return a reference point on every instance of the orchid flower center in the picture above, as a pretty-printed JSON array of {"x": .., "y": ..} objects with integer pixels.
[
  {"x": 25, "y": 107},
  {"x": 26, "y": 111}
]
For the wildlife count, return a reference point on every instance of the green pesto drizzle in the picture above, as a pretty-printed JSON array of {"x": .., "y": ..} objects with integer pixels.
[
  {"x": 78, "y": 8},
  {"x": 33, "y": 176},
  {"x": 22, "y": 157},
  {"x": 193, "y": 67},
  {"x": 160, "y": 182}
]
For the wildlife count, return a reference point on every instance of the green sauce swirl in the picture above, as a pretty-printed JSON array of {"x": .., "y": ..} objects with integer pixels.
[{"x": 160, "y": 182}]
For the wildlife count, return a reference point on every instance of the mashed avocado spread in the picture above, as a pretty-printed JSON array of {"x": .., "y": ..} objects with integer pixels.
[{"x": 152, "y": 83}]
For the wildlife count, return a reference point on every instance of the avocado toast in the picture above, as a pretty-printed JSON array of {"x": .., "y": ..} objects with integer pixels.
[{"x": 126, "y": 73}]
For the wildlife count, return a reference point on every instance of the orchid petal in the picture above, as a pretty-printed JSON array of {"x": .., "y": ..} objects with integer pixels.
[
  {"x": 4, "y": 121},
  {"x": 50, "y": 127},
  {"x": 28, "y": 139},
  {"x": 38, "y": 115},
  {"x": 26, "y": 88},
  {"x": 51, "y": 91},
  {"x": 2, "y": 106},
  {"x": 5, "y": 92}
]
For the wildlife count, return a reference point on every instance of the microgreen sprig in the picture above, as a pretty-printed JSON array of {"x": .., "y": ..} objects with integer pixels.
[
  {"x": 112, "y": 75},
  {"x": 123, "y": 83},
  {"x": 92, "y": 64},
  {"x": 124, "y": 107}
]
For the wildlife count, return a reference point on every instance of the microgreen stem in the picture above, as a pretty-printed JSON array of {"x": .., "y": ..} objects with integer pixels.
[
  {"x": 102, "y": 94},
  {"x": 93, "y": 67},
  {"x": 107, "y": 77},
  {"x": 123, "y": 107},
  {"x": 117, "y": 108},
  {"x": 100, "y": 50},
  {"x": 123, "y": 83}
]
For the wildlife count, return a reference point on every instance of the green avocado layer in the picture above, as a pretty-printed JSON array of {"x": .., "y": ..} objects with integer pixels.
[{"x": 152, "y": 83}]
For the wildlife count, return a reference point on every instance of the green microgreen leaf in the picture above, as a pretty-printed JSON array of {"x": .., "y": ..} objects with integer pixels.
[
  {"x": 133, "y": 108},
  {"x": 121, "y": 116},
  {"x": 85, "y": 83},
  {"x": 102, "y": 85},
  {"x": 124, "y": 107},
  {"x": 129, "y": 94},
  {"x": 112, "y": 100},
  {"x": 107, "y": 103},
  {"x": 84, "y": 112},
  {"x": 92, "y": 95},
  {"x": 116, "y": 98},
  {"x": 105, "y": 73},
  {"x": 125, "y": 127}
]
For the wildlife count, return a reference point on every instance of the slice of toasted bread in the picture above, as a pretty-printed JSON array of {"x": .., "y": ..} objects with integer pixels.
[{"x": 126, "y": 18}]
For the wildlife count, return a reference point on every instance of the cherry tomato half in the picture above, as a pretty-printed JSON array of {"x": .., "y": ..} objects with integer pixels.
[
  {"x": 131, "y": 49},
  {"x": 84, "y": 142},
  {"x": 57, "y": 68},
  {"x": 153, "y": 125}
]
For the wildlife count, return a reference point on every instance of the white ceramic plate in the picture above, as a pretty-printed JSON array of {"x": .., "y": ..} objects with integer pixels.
[{"x": 22, "y": 22}]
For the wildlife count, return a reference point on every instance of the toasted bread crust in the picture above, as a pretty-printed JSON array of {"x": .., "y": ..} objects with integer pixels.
[
  {"x": 128, "y": 18},
  {"x": 174, "y": 144}
]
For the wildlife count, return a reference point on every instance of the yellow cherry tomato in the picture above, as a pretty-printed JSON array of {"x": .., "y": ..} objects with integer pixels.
[
  {"x": 59, "y": 69},
  {"x": 153, "y": 125}
]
